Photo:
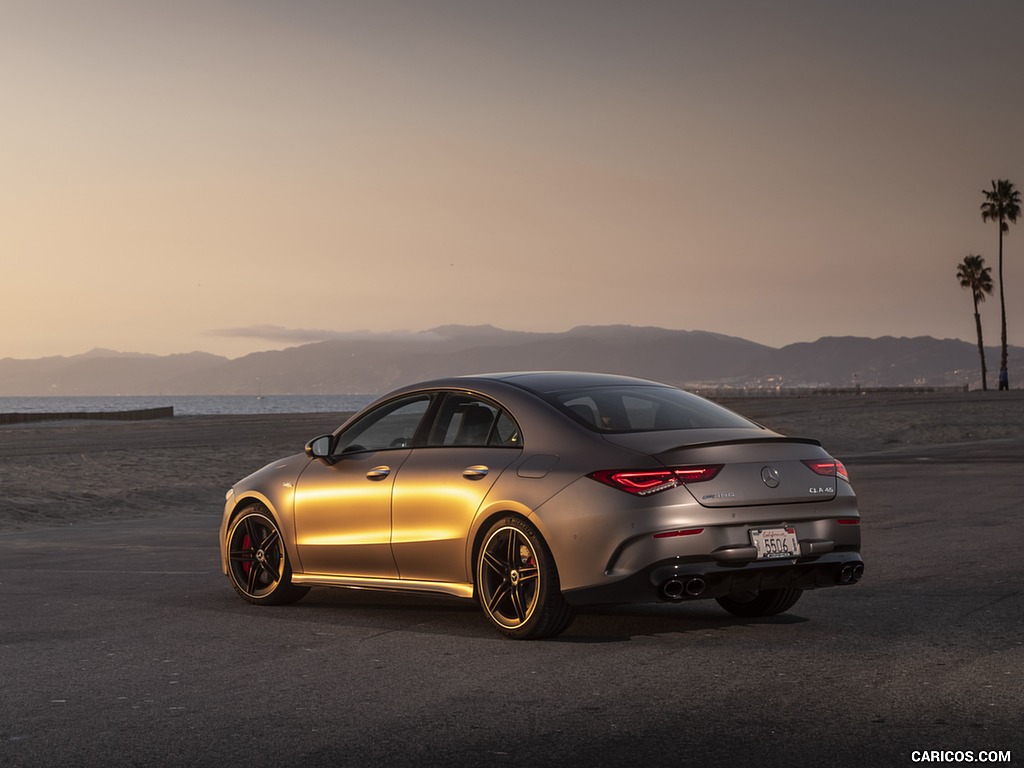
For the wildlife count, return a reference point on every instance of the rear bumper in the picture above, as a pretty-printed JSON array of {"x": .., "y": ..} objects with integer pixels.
[{"x": 680, "y": 579}]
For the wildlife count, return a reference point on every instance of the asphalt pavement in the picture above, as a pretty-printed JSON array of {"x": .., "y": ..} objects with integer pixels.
[{"x": 121, "y": 643}]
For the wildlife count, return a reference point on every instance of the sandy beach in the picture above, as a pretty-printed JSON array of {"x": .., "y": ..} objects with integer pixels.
[
  {"x": 67, "y": 473},
  {"x": 63, "y": 473},
  {"x": 851, "y": 425}
]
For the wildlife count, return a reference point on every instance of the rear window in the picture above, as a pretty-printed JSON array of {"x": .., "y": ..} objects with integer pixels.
[{"x": 643, "y": 409}]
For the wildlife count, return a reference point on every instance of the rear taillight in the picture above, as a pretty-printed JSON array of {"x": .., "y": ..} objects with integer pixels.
[
  {"x": 828, "y": 468},
  {"x": 644, "y": 482},
  {"x": 637, "y": 483},
  {"x": 684, "y": 532},
  {"x": 697, "y": 474}
]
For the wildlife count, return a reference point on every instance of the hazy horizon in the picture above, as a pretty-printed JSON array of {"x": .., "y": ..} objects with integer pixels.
[
  {"x": 186, "y": 177},
  {"x": 292, "y": 338}
]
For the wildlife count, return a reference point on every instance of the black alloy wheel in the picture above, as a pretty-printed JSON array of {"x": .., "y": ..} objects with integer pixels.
[
  {"x": 517, "y": 582},
  {"x": 257, "y": 560}
]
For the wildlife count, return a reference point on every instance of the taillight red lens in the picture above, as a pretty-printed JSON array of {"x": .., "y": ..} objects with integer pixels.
[
  {"x": 697, "y": 474},
  {"x": 641, "y": 482},
  {"x": 684, "y": 532},
  {"x": 828, "y": 468}
]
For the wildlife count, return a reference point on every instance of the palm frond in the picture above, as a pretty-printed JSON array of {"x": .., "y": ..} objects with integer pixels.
[
  {"x": 972, "y": 273},
  {"x": 1002, "y": 203}
]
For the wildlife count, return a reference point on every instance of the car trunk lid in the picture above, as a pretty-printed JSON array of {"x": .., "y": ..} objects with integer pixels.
[{"x": 762, "y": 470}]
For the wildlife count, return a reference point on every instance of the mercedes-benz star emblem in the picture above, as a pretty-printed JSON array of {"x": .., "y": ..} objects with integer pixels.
[{"x": 770, "y": 476}]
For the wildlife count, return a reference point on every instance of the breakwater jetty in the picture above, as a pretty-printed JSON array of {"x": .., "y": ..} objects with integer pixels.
[{"x": 141, "y": 414}]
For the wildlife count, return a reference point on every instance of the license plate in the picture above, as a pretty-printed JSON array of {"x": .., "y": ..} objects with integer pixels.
[{"x": 775, "y": 542}]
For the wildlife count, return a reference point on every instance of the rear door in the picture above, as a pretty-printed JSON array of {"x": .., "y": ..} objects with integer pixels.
[{"x": 441, "y": 486}]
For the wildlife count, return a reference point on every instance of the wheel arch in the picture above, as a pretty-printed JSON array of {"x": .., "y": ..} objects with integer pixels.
[
  {"x": 487, "y": 518},
  {"x": 248, "y": 499}
]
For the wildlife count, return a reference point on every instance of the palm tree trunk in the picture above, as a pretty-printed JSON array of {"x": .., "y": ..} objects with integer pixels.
[
  {"x": 981, "y": 347},
  {"x": 1003, "y": 370}
]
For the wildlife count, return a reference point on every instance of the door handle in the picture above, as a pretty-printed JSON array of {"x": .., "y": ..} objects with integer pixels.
[
  {"x": 378, "y": 473},
  {"x": 475, "y": 472}
]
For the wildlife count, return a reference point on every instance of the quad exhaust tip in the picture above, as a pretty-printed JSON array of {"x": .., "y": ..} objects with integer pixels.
[
  {"x": 695, "y": 586},
  {"x": 676, "y": 589},
  {"x": 851, "y": 574}
]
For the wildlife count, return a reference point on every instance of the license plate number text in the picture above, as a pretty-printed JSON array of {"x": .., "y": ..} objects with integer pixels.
[{"x": 775, "y": 542}]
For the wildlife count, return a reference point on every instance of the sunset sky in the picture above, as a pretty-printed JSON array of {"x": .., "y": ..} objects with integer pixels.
[{"x": 238, "y": 175}]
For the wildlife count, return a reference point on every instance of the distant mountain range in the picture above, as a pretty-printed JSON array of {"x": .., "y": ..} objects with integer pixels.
[{"x": 372, "y": 363}]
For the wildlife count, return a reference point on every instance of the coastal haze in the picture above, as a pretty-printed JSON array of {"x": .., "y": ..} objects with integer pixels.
[
  {"x": 229, "y": 177},
  {"x": 375, "y": 363}
]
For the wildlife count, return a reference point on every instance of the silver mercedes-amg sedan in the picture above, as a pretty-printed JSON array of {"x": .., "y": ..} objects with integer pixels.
[{"x": 535, "y": 493}]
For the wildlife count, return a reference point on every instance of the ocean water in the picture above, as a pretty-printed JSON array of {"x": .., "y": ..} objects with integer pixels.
[{"x": 197, "y": 405}]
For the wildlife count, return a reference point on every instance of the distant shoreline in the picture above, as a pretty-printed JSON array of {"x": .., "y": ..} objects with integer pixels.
[{"x": 185, "y": 405}]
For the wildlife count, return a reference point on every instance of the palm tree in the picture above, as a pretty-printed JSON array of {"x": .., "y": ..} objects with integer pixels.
[
  {"x": 1002, "y": 204},
  {"x": 972, "y": 273}
]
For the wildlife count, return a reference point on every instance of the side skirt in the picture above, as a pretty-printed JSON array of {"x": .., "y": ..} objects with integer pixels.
[{"x": 455, "y": 589}]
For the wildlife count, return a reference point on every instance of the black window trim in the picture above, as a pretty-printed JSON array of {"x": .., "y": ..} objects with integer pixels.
[{"x": 434, "y": 412}]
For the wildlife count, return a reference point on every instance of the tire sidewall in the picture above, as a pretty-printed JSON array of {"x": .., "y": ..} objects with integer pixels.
[
  {"x": 551, "y": 614},
  {"x": 282, "y": 590}
]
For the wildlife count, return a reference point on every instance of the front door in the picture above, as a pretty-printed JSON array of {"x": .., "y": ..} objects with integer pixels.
[
  {"x": 343, "y": 515},
  {"x": 343, "y": 506}
]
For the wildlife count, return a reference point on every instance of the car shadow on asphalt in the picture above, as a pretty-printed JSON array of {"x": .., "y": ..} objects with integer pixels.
[
  {"x": 441, "y": 615},
  {"x": 633, "y": 622}
]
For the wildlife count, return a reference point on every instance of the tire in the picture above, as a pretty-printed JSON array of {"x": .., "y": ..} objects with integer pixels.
[
  {"x": 257, "y": 560},
  {"x": 767, "y": 602},
  {"x": 517, "y": 582}
]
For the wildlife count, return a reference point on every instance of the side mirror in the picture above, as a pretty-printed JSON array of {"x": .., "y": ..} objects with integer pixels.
[{"x": 320, "y": 448}]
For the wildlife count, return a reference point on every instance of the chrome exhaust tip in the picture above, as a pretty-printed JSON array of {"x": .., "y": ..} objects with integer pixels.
[
  {"x": 672, "y": 589},
  {"x": 675, "y": 589},
  {"x": 851, "y": 574},
  {"x": 695, "y": 587}
]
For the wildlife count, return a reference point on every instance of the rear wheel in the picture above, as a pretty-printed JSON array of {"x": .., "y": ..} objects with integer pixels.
[
  {"x": 517, "y": 582},
  {"x": 257, "y": 560},
  {"x": 767, "y": 602}
]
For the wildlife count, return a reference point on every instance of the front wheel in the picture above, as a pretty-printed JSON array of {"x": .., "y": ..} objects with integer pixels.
[
  {"x": 517, "y": 582},
  {"x": 767, "y": 602},
  {"x": 257, "y": 560}
]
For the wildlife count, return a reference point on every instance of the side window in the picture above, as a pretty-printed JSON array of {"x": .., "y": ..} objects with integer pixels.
[
  {"x": 469, "y": 421},
  {"x": 392, "y": 425},
  {"x": 506, "y": 433}
]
